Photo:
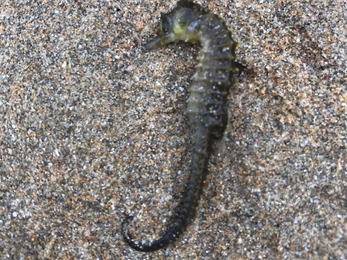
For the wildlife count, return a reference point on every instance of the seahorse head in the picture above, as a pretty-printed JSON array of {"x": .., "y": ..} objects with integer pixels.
[{"x": 181, "y": 24}]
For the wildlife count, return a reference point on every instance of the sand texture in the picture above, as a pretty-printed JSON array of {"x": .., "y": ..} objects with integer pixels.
[{"x": 93, "y": 128}]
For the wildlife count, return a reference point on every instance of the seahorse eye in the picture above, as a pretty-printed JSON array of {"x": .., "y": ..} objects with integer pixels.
[{"x": 166, "y": 23}]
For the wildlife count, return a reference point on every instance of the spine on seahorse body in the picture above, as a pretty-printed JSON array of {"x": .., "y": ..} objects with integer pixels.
[{"x": 207, "y": 103}]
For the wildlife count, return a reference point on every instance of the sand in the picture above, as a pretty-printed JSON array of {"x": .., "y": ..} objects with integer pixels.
[{"x": 93, "y": 128}]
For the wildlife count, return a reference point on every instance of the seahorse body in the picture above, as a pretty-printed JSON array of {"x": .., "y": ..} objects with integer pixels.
[{"x": 207, "y": 103}]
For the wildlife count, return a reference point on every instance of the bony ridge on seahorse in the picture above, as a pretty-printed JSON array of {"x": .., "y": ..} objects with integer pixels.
[{"x": 207, "y": 109}]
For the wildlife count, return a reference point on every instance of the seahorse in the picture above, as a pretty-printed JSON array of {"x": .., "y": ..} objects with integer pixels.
[{"x": 207, "y": 109}]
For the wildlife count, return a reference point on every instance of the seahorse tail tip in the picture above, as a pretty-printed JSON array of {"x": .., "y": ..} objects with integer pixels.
[
  {"x": 129, "y": 239},
  {"x": 126, "y": 221}
]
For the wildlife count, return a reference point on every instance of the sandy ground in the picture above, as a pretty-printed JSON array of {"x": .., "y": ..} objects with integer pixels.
[{"x": 93, "y": 128}]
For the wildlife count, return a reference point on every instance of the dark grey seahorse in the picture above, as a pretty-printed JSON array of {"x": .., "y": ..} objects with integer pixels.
[{"x": 207, "y": 104}]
